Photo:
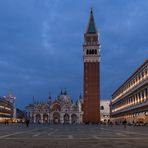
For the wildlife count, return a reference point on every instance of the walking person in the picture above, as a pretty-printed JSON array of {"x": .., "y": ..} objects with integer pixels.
[
  {"x": 125, "y": 123},
  {"x": 5, "y": 122},
  {"x": 27, "y": 121}
]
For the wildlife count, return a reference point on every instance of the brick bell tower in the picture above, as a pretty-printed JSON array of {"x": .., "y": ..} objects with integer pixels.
[{"x": 91, "y": 57}]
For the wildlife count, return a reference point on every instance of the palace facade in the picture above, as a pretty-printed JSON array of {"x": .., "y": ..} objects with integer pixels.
[
  {"x": 61, "y": 110},
  {"x": 130, "y": 100}
]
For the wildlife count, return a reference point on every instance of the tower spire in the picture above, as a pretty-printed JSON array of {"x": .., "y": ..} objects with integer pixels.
[
  {"x": 91, "y": 25},
  {"x": 91, "y": 10}
]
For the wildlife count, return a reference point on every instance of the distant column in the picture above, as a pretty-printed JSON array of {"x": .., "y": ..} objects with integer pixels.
[
  {"x": 31, "y": 116},
  {"x": 61, "y": 118},
  {"x": 34, "y": 118},
  {"x": 141, "y": 97},
  {"x": 41, "y": 118},
  {"x": 144, "y": 95},
  {"x": 69, "y": 118},
  {"x": 80, "y": 118},
  {"x": 48, "y": 118},
  {"x": 138, "y": 96}
]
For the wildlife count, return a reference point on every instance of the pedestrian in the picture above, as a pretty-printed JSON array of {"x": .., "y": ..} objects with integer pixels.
[
  {"x": 5, "y": 122},
  {"x": 124, "y": 123},
  {"x": 27, "y": 122},
  {"x": 133, "y": 122}
]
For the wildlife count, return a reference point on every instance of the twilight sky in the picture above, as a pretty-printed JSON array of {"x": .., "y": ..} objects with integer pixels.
[{"x": 41, "y": 45}]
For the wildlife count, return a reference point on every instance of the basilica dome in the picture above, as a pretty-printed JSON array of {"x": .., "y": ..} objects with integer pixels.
[{"x": 64, "y": 98}]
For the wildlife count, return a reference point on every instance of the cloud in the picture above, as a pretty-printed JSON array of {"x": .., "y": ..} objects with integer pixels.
[{"x": 48, "y": 25}]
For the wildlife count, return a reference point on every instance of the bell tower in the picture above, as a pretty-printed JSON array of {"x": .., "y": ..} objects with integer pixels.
[{"x": 91, "y": 59}]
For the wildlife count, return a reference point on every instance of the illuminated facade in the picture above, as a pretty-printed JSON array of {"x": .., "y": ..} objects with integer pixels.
[
  {"x": 130, "y": 100},
  {"x": 62, "y": 110},
  {"x": 6, "y": 110},
  {"x": 10, "y": 98}
]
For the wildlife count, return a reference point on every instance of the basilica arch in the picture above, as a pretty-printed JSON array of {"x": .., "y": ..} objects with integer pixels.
[
  {"x": 66, "y": 119},
  {"x": 56, "y": 117},
  {"x": 74, "y": 118},
  {"x": 45, "y": 118},
  {"x": 38, "y": 118},
  {"x": 55, "y": 107}
]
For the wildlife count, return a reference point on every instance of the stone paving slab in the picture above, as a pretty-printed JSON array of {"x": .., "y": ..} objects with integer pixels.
[
  {"x": 80, "y": 136},
  {"x": 73, "y": 144}
]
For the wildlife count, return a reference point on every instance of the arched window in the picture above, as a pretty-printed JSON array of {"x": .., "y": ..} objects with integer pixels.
[
  {"x": 101, "y": 107},
  {"x": 92, "y": 51},
  {"x": 87, "y": 52},
  {"x": 95, "y": 51}
]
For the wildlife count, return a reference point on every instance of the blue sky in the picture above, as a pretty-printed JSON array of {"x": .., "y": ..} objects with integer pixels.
[{"x": 41, "y": 45}]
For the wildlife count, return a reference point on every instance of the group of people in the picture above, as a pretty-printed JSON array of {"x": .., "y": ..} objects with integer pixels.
[
  {"x": 27, "y": 121},
  {"x": 6, "y": 122},
  {"x": 124, "y": 123}
]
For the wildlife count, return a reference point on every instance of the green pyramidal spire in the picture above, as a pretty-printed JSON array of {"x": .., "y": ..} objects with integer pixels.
[{"x": 91, "y": 25}]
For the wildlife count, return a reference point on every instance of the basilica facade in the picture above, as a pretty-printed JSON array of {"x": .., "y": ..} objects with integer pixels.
[{"x": 61, "y": 110}]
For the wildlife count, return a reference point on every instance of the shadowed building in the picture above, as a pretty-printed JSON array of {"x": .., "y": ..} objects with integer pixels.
[
  {"x": 130, "y": 100},
  {"x": 91, "y": 57}
]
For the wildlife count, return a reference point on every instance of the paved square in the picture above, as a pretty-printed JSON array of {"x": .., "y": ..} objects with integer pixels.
[{"x": 72, "y": 136}]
